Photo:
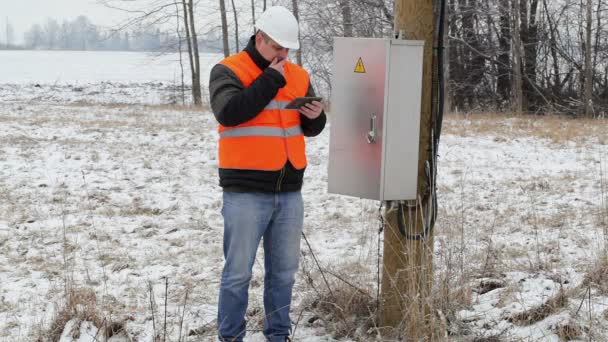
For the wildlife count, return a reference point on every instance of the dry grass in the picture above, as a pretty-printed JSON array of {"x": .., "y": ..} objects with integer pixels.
[
  {"x": 597, "y": 276},
  {"x": 538, "y": 313},
  {"x": 348, "y": 310},
  {"x": 347, "y": 307},
  {"x": 81, "y": 304},
  {"x": 98, "y": 121},
  {"x": 568, "y": 330},
  {"x": 557, "y": 129},
  {"x": 172, "y": 107}
]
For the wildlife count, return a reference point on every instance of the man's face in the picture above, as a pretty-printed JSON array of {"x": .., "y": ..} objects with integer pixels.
[{"x": 268, "y": 48}]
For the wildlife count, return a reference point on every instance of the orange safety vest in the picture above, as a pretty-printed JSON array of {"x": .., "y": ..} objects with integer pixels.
[{"x": 274, "y": 135}]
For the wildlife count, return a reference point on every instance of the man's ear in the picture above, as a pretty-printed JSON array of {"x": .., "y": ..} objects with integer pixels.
[{"x": 258, "y": 38}]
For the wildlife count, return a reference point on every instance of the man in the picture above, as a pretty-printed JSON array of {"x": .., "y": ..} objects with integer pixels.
[{"x": 261, "y": 165}]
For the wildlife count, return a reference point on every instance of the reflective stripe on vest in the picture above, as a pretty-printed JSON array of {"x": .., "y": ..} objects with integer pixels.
[
  {"x": 251, "y": 131},
  {"x": 273, "y": 136},
  {"x": 275, "y": 104}
]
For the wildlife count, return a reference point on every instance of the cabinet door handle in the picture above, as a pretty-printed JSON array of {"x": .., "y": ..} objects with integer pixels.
[{"x": 371, "y": 135}]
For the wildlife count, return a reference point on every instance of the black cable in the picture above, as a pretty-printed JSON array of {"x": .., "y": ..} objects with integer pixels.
[
  {"x": 378, "y": 269},
  {"x": 402, "y": 226},
  {"x": 438, "y": 120}
]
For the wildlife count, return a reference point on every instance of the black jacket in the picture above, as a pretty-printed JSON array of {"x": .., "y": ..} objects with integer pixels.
[{"x": 233, "y": 104}]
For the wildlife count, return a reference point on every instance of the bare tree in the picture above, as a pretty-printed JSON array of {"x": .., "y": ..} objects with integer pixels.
[
  {"x": 147, "y": 14},
  {"x": 294, "y": 5},
  {"x": 529, "y": 43},
  {"x": 588, "y": 91},
  {"x": 253, "y": 15},
  {"x": 517, "y": 59},
  {"x": 192, "y": 41},
  {"x": 179, "y": 49},
  {"x": 51, "y": 34},
  {"x": 504, "y": 55},
  {"x": 347, "y": 18},
  {"x": 224, "y": 28},
  {"x": 9, "y": 32},
  {"x": 236, "y": 26},
  {"x": 34, "y": 37}
]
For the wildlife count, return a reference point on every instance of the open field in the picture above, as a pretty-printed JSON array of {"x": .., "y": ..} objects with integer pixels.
[{"x": 100, "y": 205}]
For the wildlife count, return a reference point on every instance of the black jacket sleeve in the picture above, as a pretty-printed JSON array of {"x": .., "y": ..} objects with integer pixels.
[
  {"x": 233, "y": 103},
  {"x": 312, "y": 127}
]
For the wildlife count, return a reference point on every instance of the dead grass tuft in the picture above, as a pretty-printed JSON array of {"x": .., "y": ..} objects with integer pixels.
[
  {"x": 536, "y": 314},
  {"x": 81, "y": 304},
  {"x": 568, "y": 330},
  {"x": 348, "y": 310},
  {"x": 597, "y": 276}
]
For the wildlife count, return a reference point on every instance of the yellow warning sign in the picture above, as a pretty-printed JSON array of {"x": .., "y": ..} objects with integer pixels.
[{"x": 360, "y": 68}]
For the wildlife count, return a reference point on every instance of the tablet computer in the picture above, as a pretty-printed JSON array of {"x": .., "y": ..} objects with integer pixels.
[{"x": 301, "y": 101}]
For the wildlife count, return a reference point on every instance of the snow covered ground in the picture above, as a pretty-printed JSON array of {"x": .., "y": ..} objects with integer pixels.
[{"x": 107, "y": 202}]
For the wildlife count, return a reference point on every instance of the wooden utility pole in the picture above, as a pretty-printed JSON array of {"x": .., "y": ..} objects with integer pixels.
[{"x": 408, "y": 264}]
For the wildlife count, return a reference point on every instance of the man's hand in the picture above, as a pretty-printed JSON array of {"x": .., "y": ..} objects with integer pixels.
[
  {"x": 277, "y": 64},
  {"x": 312, "y": 110}
]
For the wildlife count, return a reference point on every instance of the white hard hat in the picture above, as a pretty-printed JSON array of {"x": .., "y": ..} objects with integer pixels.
[{"x": 280, "y": 25}]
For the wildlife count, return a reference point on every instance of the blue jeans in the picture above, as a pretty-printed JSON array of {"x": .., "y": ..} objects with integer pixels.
[{"x": 248, "y": 217}]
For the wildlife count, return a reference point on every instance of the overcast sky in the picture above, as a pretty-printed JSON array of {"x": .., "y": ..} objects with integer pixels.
[{"x": 22, "y": 14}]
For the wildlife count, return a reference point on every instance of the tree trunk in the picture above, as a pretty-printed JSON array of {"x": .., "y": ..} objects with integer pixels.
[
  {"x": 455, "y": 55},
  {"x": 187, "y": 25},
  {"x": 447, "y": 49},
  {"x": 224, "y": 28},
  {"x": 529, "y": 41},
  {"x": 504, "y": 55},
  {"x": 588, "y": 67},
  {"x": 557, "y": 85},
  {"x": 517, "y": 59},
  {"x": 253, "y": 14},
  {"x": 473, "y": 62},
  {"x": 8, "y": 41},
  {"x": 179, "y": 50},
  {"x": 294, "y": 4},
  {"x": 196, "y": 78},
  {"x": 236, "y": 27},
  {"x": 347, "y": 18}
]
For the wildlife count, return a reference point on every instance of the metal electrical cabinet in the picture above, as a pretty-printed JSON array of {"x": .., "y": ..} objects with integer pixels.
[{"x": 375, "y": 118}]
